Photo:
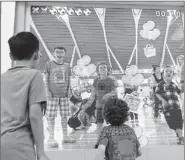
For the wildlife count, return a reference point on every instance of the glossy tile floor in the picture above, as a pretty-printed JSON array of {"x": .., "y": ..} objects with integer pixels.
[{"x": 158, "y": 133}]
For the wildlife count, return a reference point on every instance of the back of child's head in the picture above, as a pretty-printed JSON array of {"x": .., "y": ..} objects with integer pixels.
[
  {"x": 115, "y": 111},
  {"x": 23, "y": 45}
]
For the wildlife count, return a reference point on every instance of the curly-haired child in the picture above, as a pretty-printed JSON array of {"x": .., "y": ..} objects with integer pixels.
[{"x": 117, "y": 140}]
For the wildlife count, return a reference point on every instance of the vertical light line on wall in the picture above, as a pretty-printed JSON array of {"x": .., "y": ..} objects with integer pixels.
[
  {"x": 65, "y": 19},
  {"x": 26, "y": 19},
  {"x": 170, "y": 20},
  {"x": 72, "y": 58},
  {"x": 132, "y": 55},
  {"x": 7, "y": 30},
  {"x": 100, "y": 12},
  {"x": 121, "y": 69},
  {"x": 136, "y": 14},
  {"x": 101, "y": 15},
  {"x": 170, "y": 55},
  {"x": 182, "y": 13}
]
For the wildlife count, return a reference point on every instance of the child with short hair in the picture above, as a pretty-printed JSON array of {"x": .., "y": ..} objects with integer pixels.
[
  {"x": 23, "y": 94},
  {"x": 57, "y": 81},
  {"x": 118, "y": 140},
  {"x": 167, "y": 91},
  {"x": 103, "y": 85}
]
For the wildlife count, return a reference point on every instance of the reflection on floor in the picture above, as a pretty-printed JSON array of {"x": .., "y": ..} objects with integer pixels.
[{"x": 158, "y": 133}]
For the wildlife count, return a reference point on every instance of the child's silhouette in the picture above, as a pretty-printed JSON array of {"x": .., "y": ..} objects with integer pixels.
[{"x": 23, "y": 97}]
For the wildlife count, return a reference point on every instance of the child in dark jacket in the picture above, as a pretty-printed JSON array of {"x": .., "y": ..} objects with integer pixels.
[{"x": 168, "y": 92}]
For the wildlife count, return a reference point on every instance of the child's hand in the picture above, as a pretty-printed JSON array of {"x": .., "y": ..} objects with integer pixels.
[{"x": 44, "y": 107}]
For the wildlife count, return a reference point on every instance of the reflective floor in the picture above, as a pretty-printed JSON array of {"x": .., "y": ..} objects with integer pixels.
[{"x": 158, "y": 133}]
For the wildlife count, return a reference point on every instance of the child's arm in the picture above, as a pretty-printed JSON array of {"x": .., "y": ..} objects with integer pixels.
[
  {"x": 46, "y": 79},
  {"x": 37, "y": 98},
  {"x": 101, "y": 144},
  {"x": 138, "y": 149},
  {"x": 102, "y": 138},
  {"x": 36, "y": 121},
  {"x": 165, "y": 103}
]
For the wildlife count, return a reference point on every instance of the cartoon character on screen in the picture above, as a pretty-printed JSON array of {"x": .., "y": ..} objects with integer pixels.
[
  {"x": 131, "y": 97},
  {"x": 103, "y": 86},
  {"x": 131, "y": 80}
]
